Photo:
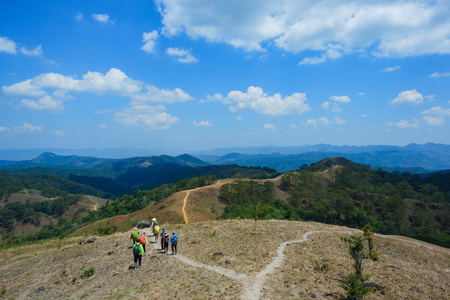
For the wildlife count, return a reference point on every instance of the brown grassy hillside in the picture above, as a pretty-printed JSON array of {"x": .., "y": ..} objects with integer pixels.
[{"x": 224, "y": 260}]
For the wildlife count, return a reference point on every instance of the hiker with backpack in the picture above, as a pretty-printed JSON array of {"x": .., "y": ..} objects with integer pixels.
[
  {"x": 174, "y": 242},
  {"x": 134, "y": 235},
  {"x": 143, "y": 241},
  {"x": 156, "y": 231},
  {"x": 165, "y": 238},
  {"x": 138, "y": 251},
  {"x": 154, "y": 222},
  {"x": 163, "y": 231}
]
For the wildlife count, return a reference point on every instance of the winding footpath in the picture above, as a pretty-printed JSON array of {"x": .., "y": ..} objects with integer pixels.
[
  {"x": 251, "y": 285},
  {"x": 184, "y": 207}
]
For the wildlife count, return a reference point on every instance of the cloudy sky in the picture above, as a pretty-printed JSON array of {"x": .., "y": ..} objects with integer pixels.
[{"x": 190, "y": 75}]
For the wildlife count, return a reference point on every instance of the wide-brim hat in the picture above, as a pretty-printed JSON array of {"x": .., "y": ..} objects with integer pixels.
[{"x": 153, "y": 219}]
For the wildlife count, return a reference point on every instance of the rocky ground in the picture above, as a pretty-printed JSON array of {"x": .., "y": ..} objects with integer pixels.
[{"x": 224, "y": 260}]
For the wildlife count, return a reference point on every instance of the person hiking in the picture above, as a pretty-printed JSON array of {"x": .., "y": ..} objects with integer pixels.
[
  {"x": 156, "y": 231},
  {"x": 174, "y": 242},
  {"x": 163, "y": 231},
  {"x": 166, "y": 242},
  {"x": 134, "y": 235},
  {"x": 138, "y": 251},
  {"x": 153, "y": 223},
  {"x": 143, "y": 241}
]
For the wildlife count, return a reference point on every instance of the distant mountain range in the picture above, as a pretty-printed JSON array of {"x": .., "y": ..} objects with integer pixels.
[{"x": 412, "y": 158}]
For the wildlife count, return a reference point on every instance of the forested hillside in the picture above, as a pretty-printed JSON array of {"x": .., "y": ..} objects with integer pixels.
[{"x": 344, "y": 193}]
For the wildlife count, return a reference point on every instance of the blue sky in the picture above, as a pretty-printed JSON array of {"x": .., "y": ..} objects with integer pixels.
[{"x": 193, "y": 75}]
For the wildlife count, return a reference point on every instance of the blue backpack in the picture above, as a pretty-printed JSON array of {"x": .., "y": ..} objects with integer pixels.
[{"x": 174, "y": 239}]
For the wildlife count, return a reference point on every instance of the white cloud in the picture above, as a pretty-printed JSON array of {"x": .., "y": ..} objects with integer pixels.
[
  {"x": 270, "y": 126},
  {"x": 364, "y": 115},
  {"x": 35, "y": 52},
  {"x": 7, "y": 45},
  {"x": 361, "y": 93},
  {"x": 203, "y": 123},
  {"x": 154, "y": 94},
  {"x": 338, "y": 120},
  {"x": 184, "y": 55},
  {"x": 149, "y": 117},
  {"x": 325, "y": 121},
  {"x": 45, "y": 103},
  {"x": 391, "y": 28},
  {"x": 430, "y": 97},
  {"x": 405, "y": 98},
  {"x": 329, "y": 54},
  {"x": 103, "y": 126},
  {"x": 79, "y": 16},
  {"x": 114, "y": 81},
  {"x": 3, "y": 128},
  {"x": 391, "y": 69},
  {"x": 149, "y": 39},
  {"x": 437, "y": 111},
  {"x": 433, "y": 121},
  {"x": 310, "y": 122},
  {"x": 404, "y": 124},
  {"x": 439, "y": 75},
  {"x": 341, "y": 99},
  {"x": 293, "y": 125},
  {"x": 325, "y": 105},
  {"x": 58, "y": 133},
  {"x": 239, "y": 117},
  {"x": 102, "y": 18},
  {"x": 28, "y": 126},
  {"x": 26, "y": 88},
  {"x": 255, "y": 100}
]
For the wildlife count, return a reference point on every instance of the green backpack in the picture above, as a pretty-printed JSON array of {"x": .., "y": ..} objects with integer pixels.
[{"x": 135, "y": 235}]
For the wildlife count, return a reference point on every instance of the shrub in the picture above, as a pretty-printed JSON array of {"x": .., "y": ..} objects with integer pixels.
[
  {"x": 88, "y": 273},
  {"x": 356, "y": 249},
  {"x": 354, "y": 288}
]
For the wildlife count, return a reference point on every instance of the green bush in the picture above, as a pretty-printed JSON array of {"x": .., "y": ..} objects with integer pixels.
[{"x": 88, "y": 273}]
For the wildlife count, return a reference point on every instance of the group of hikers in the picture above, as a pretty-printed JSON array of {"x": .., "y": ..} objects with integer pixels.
[{"x": 139, "y": 242}]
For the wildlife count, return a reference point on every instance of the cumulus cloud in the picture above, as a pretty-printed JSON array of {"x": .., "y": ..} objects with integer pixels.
[
  {"x": 154, "y": 94},
  {"x": 149, "y": 39},
  {"x": 338, "y": 120},
  {"x": 30, "y": 127},
  {"x": 255, "y": 100},
  {"x": 324, "y": 121},
  {"x": 149, "y": 117},
  {"x": 183, "y": 55},
  {"x": 381, "y": 28},
  {"x": 391, "y": 69},
  {"x": 433, "y": 121},
  {"x": 47, "y": 102},
  {"x": 102, "y": 18},
  {"x": 114, "y": 81},
  {"x": 329, "y": 54},
  {"x": 7, "y": 45},
  {"x": 361, "y": 93},
  {"x": 341, "y": 99},
  {"x": 310, "y": 122},
  {"x": 35, "y": 52},
  {"x": 203, "y": 123},
  {"x": 103, "y": 126},
  {"x": 439, "y": 75},
  {"x": 404, "y": 124},
  {"x": 270, "y": 126},
  {"x": 293, "y": 125},
  {"x": 430, "y": 97},
  {"x": 406, "y": 98},
  {"x": 437, "y": 111}
]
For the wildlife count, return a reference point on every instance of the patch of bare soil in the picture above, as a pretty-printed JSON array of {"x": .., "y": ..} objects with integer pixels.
[
  {"x": 25, "y": 195},
  {"x": 225, "y": 260}
]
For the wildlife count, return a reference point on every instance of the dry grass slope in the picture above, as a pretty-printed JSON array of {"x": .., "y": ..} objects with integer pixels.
[{"x": 210, "y": 251}]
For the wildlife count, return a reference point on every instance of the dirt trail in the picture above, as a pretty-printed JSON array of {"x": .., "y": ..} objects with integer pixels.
[
  {"x": 184, "y": 207},
  {"x": 251, "y": 285},
  {"x": 94, "y": 206}
]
